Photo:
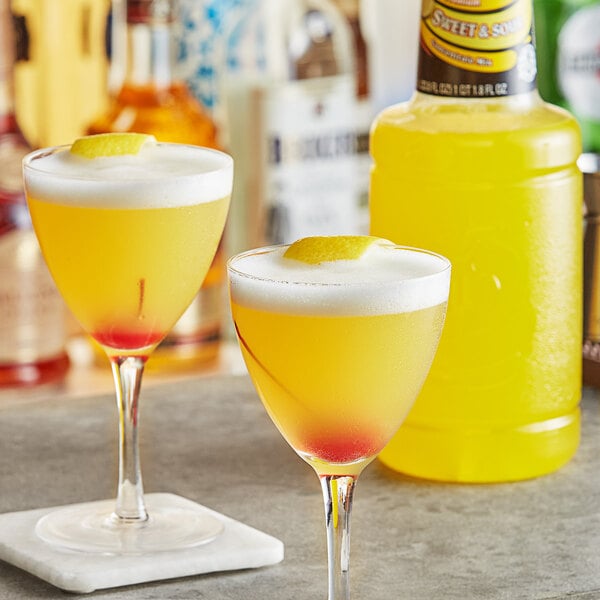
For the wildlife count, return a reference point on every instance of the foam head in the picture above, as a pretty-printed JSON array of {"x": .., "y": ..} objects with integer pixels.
[
  {"x": 160, "y": 175},
  {"x": 386, "y": 279}
]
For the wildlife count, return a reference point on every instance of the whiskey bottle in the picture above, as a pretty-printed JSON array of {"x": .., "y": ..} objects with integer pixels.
[{"x": 154, "y": 99}]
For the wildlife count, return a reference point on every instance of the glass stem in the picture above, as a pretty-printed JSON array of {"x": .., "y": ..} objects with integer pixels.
[
  {"x": 337, "y": 495},
  {"x": 127, "y": 373}
]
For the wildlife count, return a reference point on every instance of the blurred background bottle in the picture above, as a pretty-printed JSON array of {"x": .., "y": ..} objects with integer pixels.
[
  {"x": 589, "y": 163},
  {"x": 152, "y": 98},
  {"x": 60, "y": 79},
  {"x": 292, "y": 125},
  {"x": 213, "y": 42},
  {"x": 568, "y": 42},
  {"x": 480, "y": 169},
  {"x": 32, "y": 324}
]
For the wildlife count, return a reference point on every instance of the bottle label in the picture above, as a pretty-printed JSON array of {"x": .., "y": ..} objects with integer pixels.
[
  {"x": 32, "y": 323},
  {"x": 579, "y": 62},
  {"x": 218, "y": 37},
  {"x": 306, "y": 174},
  {"x": 476, "y": 48}
]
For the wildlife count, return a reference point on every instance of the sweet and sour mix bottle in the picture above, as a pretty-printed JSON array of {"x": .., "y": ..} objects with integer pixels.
[{"x": 478, "y": 168}]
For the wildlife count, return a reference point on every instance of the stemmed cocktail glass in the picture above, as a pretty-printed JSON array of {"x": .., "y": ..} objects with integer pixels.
[
  {"x": 128, "y": 239},
  {"x": 338, "y": 350}
]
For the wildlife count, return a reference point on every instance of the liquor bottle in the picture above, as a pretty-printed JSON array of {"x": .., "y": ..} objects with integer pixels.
[
  {"x": 60, "y": 77},
  {"x": 32, "y": 325},
  {"x": 292, "y": 127},
  {"x": 589, "y": 163},
  {"x": 569, "y": 41},
  {"x": 154, "y": 99},
  {"x": 212, "y": 43},
  {"x": 477, "y": 167}
]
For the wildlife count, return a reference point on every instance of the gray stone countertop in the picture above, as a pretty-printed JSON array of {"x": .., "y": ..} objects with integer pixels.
[{"x": 210, "y": 440}]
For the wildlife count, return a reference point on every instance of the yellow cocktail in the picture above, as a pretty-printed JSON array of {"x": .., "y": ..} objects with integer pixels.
[
  {"x": 127, "y": 263},
  {"x": 128, "y": 304},
  {"x": 128, "y": 230},
  {"x": 324, "y": 376},
  {"x": 338, "y": 350}
]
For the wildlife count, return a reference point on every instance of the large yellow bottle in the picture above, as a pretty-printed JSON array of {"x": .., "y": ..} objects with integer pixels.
[{"x": 477, "y": 167}]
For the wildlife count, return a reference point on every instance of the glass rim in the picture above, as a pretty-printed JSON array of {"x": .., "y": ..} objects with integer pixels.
[
  {"x": 29, "y": 158},
  {"x": 445, "y": 267}
]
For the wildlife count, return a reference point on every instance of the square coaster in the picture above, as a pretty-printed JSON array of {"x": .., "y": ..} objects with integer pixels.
[{"x": 237, "y": 547}]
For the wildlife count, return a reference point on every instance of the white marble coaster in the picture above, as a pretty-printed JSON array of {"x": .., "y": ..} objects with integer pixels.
[{"x": 237, "y": 547}]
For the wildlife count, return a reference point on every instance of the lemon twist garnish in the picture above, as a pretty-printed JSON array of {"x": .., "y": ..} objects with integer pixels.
[
  {"x": 318, "y": 249},
  {"x": 110, "y": 144}
]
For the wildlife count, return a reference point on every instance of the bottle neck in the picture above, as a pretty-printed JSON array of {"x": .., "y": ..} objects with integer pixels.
[
  {"x": 151, "y": 48},
  {"x": 306, "y": 39},
  {"x": 351, "y": 10},
  {"x": 476, "y": 50}
]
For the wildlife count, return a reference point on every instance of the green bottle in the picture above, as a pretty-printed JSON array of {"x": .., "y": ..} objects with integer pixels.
[{"x": 568, "y": 45}]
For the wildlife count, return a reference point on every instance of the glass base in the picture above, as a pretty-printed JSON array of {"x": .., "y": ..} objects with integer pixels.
[{"x": 94, "y": 528}]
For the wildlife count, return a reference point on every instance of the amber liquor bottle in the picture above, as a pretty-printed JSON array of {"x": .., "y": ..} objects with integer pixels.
[{"x": 153, "y": 99}]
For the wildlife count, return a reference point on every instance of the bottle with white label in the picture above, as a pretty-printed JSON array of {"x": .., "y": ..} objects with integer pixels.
[
  {"x": 32, "y": 313},
  {"x": 292, "y": 126}
]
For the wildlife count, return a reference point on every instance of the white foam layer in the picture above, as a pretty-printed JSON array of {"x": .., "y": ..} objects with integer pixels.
[
  {"x": 160, "y": 175},
  {"x": 387, "y": 279}
]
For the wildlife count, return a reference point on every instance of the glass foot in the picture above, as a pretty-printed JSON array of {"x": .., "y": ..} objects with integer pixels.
[{"x": 92, "y": 528}]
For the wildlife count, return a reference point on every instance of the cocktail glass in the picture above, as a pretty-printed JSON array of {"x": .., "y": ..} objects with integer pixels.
[
  {"x": 338, "y": 353},
  {"x": 128, "y": 241}
]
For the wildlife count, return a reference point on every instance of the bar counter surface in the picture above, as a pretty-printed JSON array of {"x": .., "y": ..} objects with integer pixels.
[{"x": 210, "y": 440}]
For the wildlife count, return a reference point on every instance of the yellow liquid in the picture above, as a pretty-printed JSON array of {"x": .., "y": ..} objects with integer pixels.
[
  {"x": 128, "y": 274},
  {"x": 172, "y": 114},
  {"x": 338, "y": 387},
  {"x": 495, "y": 188}
]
